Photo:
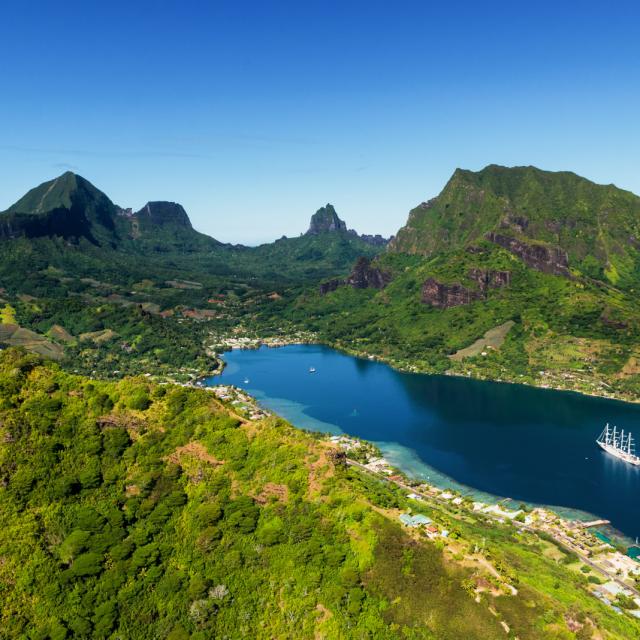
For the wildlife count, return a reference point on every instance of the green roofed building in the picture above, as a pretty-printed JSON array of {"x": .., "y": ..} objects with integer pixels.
[{"x": 416, "y": 520}]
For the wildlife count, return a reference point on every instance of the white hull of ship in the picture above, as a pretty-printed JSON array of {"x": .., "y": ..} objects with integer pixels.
[{"x": 631, "y": 459}]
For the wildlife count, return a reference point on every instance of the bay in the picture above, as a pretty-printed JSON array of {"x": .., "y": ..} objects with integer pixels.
[{"x": 505, "y": 440}]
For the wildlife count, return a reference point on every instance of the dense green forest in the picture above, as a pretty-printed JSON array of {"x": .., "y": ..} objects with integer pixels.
[
  {"x": 136, "y": 510},
  {"x": 574, "y": 333}
]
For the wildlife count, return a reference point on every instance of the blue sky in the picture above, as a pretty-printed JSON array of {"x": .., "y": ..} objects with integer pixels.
[{"x": 254, "y": 114}]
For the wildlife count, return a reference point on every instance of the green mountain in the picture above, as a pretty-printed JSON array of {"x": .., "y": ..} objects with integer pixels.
[
  {"x": 128, "y": 279},
  {"x": 529, "y": 210},
  {"x": 72, "y": 209},
  {"x": 328, "y": 248},
  {"x": 509, "y": 274},
  {"x": 68, "y": 206}
]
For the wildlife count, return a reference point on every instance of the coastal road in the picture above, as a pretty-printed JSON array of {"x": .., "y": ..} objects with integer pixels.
[{"x": 562, "y": 541}]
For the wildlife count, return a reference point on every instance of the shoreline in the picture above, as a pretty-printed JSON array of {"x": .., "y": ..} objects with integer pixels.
[
  {"x": 443, "y": 481},
  {"x": 411, "y": 369},
  {"x": 272, "y": 343}
]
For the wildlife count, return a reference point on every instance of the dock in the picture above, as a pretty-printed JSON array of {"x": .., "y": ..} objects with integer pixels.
[{"x": 594, "y": 523}]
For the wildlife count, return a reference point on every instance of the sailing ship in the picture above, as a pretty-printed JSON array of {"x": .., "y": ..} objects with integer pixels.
[{"x": 618, "y": 444}]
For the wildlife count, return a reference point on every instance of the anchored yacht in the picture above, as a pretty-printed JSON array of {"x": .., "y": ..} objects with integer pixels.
[{"x": 618, "y": 444}]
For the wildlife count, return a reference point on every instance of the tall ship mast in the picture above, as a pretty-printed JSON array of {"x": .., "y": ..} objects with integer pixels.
[{"x": 618, "y": 444}]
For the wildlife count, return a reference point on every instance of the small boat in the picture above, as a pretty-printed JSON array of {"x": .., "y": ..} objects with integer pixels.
[
  {"x": 312, "y": 370},
  {"x": 618, "y": 444},
  {"x": 246, "y": 380}
]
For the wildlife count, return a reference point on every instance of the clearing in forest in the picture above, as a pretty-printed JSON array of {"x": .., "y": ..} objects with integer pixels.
[{"x": 491, "y": 339}]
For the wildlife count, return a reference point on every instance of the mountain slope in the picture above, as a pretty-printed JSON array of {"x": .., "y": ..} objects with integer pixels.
[
  {"x": 68, "y": 206},
  {"x": 327, "y": 249},
  {"x": 138, "y": 510},
  {"x": 597, "y": 226},
  {"x": 509, "y": 274}
]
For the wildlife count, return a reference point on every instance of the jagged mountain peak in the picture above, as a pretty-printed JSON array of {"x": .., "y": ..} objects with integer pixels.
[{"x": 325, "y": 220}]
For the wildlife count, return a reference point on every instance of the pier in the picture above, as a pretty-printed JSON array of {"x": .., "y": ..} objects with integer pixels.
[{"x": 594, "y": 523}]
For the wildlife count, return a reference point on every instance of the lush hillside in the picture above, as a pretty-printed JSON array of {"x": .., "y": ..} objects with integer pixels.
[
  {"x": 598, "y": 226},
  {"x": 142, "y": 511},
  {"x": 510, "y": 274},
  {"x": 310, "y": 257}
]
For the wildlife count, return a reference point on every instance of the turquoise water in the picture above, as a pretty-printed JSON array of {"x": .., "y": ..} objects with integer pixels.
[{"x": 484, "y": 438}]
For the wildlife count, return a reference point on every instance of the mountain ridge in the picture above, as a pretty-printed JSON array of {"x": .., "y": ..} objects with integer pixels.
[
  {"x": 71, "y": 209},
  {"x": 62, "y": 192},
  {"x": 598, "y": 226}
]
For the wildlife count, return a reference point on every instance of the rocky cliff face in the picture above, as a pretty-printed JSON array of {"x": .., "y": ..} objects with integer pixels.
[
  {"x": 331, "y": 285},
  {"x": 545, "y": 258},
  {"x": 489, "y": 279},
  {"x": 161, "y": 213},
  {"x": 445, "y": 296},
  {"x": 363, "y": 276},
  {"x": 325, "y": 220}
]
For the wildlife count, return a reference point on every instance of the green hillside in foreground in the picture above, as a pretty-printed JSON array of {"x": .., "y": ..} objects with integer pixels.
[{"x": 142, "y": 511}]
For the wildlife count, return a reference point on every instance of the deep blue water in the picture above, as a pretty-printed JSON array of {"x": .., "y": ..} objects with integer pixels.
[{"x": 528, "y": 444}]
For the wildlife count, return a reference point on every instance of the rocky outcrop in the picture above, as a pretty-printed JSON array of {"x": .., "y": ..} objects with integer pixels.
[
  {"x": 331, "y": 285},
  {"x": 489, "y": 279},
  {"x": 363, "y": 276},
  {"x": 541, "y": 257},
  {"x": 375, "y": 241},
  {"x": 445, "y": 296},
  {"x": 325, "y": 220},
  {"x": 162, "y": 213},
  {"x": 515, "y": 221}
]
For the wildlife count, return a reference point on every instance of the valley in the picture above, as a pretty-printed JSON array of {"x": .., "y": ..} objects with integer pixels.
[{"x": 509, "y": 275}]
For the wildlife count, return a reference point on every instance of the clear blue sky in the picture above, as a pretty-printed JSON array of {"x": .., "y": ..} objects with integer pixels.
[{"x": 254, "y": 114}]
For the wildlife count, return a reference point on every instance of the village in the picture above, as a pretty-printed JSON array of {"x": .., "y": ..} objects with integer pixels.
[
  {"x": 240, "y": 340},
  {"x": 239, "y": 402},
  {"x": 618, "y": 573}
]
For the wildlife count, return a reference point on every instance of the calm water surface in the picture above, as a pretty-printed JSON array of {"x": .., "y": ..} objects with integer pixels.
[{"x": 506, "y": 440}]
